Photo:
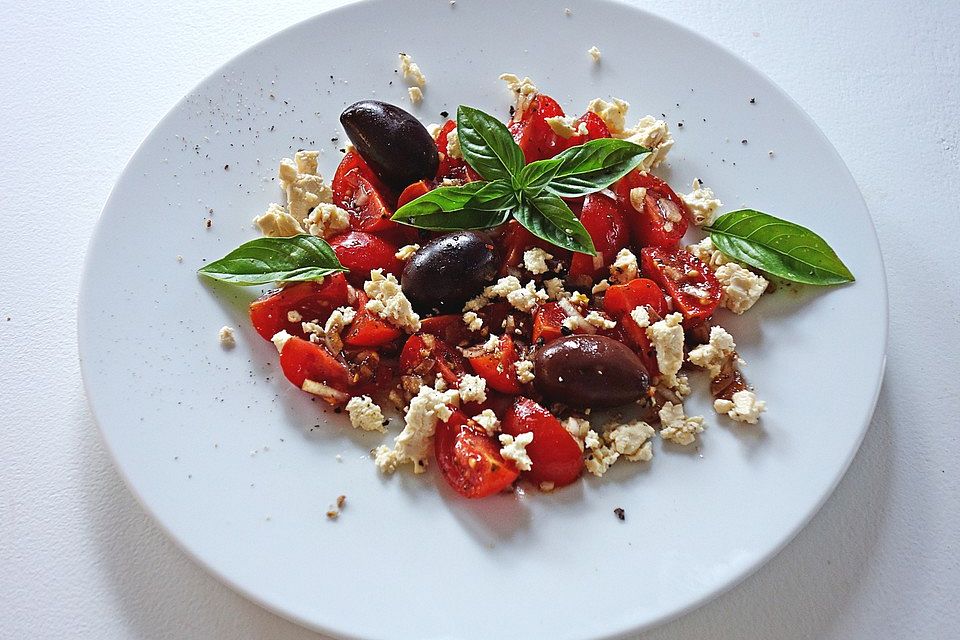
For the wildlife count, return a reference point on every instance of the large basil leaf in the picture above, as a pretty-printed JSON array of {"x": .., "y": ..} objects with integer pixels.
[
  {"x": 547, "y": 216},
  {"x": 475, "y": 205},
  {"x": 593, "y": 166},
  {"x": 537, "y": 175},
  {"x": 266, "y": 260},
  {"x": 778, "y": 247},
  {"x": 486, "y": 145}
]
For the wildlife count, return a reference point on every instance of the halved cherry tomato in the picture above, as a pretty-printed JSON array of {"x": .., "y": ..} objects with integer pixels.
[
  {"x": 345, "y": 180},
  {"x": 695, "y": 290},
  {"x": 449, "y": 327},
  {"x": 532, "y": 133},
  {"x": 452, "y": 168},
  {"x": 369, "y": 210},
  {"x": 361, "y": 252},
  {"x": 368, "y": 329},
  {"x": 304, "y": 360},
  {"x": 516, "y": 240},
  {"x": 312, "y": 300},
  {"x": 426, "y": 355},
  {"x": 498, "y": 368},
  {"x": 548, "y": 322},
  {"x": 621, "y": 299},
  {"x": 634, "y": 336},
  {"x": 596, "y": 129},
  {"x": 604, "y": 221},
  {"x": 556, "y": 456},
  {"x": 663, "y": 220},
  {"x": 412, "y": 192},
  {"x": 469, "y": 459}
]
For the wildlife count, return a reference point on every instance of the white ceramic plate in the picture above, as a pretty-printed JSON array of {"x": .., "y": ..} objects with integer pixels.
[{"x": 224, "y": 453}]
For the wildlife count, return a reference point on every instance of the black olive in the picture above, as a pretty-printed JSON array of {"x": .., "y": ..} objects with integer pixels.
[
  {"x": 449, "y": 270},
  {"x": 584, "y": 371},
  {"x": 393, "y": 142}
]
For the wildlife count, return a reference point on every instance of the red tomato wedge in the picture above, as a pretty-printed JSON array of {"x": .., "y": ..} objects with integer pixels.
[
  {"x": 346, "y": 179},
  {"x": 548, "y": 322},
  {"x": 498, "y": 368},
  {"x": 312, "y": 300},
  {"x": 412, "y": 192},
  {"x": 621, "y": 299},
  {"x": 596, "y": 129},
  {"x": 303, "y": 360},
  {"x": 469, "y": 460},
  {"x": 604, "y": 221},
  {"x": 661, "y": 219},
  {"x": 532, "y": 133},
  {"x": 369, "y": 329},
  {"x": 556, "y": 456},
  {"x": 426, "y": 355},
  {"x": 695, "y": 290},
  {"x": 516, "y": 240},
  {"x": 362, "y": 252}
]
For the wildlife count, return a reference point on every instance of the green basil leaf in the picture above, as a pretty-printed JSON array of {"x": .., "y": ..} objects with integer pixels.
[
  {"x": 536, "y": 175},
  {"x": 486, "y": 145},
  {"x": 548, "y": 217},
  {"x": 266, "y": 260},
  {"x": 593, "y": 166},
  {"x": 781, "y": 248},
  {"x": 459, "y": 220},
  {"x": 480, "y": 196}
]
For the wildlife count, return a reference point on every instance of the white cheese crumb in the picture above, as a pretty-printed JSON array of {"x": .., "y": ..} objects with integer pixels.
[
  {"x": 525, "y": 371},
  {"x": 744, "y": 407},
  {"x": 473, "y": 321},
  {"x": 701, "y": 203},
  {"x": 563, "y": 126},
  {"x": 328, "y": 393},
  {"x": 632, "y": 440},
  {"x": 473, "y": 389},
  {"x": 592, "y": 440},
  {"x": 705, "y": 252},
  {"x": 666, "y": 336},
  {"x": 516, "y": 449},
  {"x": 523, "y": 298},
  {"x": 340, "y": 318},
  {"x": 741, "y": 287},
  {"x": 434, "y": 130},
  {"x": 413, "y": 444},
  {"x": 579, "y": 428},
  {"x": 600, "y": 287},
  {"x": 535, "y": 260},
  {"x": 712, "y": 355},
  {"x": 277, "y": 222},
  {"x": 327, "y": 220},
  {"x": 492, "y": 344},
  {"x": 179, "y": 258},
  {"x": 601, "y": 457},
  {"x": 624, "y": 268},
  {"x": 475, "y": 304},
  {"x": 594, "y": 53},
  {"x": 554, "y": 287},
  {"x": 411, "y": 70},
  {"x": 453, "y": 145},
  {"x": 683, "y": 388},
  {"x": 279, "y": 339},
  {"x": 613, "y": 114},
  {"x": 488, "y": 420},
  {"x": 304, "y": 188},
  {"x": 228, "y": 338},
  {"x": 638, "y": 196},
  {"x": 416, "y": 95},
  {"x": 406, "y": 252},
  {"x": 579, "y": 298},
  {"x": 599, "y": 321},
  {"x": 388, "y": 301},
  {"x": 294, "y": 316},
  {"x": 652, "y": 134},
  {"x": 677, "y": 427},
  {"x": 524, "y": 91},
  {"x": 365, "y": 414},
  {"x": 641, "y": 316}
]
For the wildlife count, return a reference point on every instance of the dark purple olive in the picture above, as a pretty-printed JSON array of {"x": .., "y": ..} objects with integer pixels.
[
  {"x": 584, "y": 371},
  {"x": 394, "y": 143},
  {"x": 449, "y": 270}
]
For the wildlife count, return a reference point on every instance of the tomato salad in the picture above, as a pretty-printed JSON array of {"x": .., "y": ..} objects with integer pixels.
[{"x": 496, "y": 337}]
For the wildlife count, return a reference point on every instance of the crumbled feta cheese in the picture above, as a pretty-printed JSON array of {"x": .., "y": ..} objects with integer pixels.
[
  {"x": 624, "y": 268},
  {"x": 613, "y": 114},
  {"x": 592, "y": 440},
  {"x": 594, "y": 53},
  {"x": 638, "y": 196},
  {"x": 406, "y": 251},
  {"x": 279, "y": 339},
  {"x": 652, "y": 134},
  {"x": 276, "y": 222},
  {"x": 327, "y": 220},
  {"x": 434, "y": 130},
  {"x": 411, "y": 71},
  {"x": 473, "y": 389},
  {"x": 705, "y": 252},
  {"x": 413, "y": 444},
  {"x": 453, "y": 145},
  {"x": 525, "y": 93},
  {"x": 741, "y": 287},
  {"x": 516, "y": 449},
  {"x": 294, "y": 316},
  {"x": 388, "y": 301},
  {"x": 306, "y": 161},
  {"x": 666, "y": 336},
  {"x": 525, "y": 371},
  {"x": 340, "y": 318},
  {"x": 416, "y": 95},
  {"x": 599, "y": 321},
  {"x": 683, "y": 388},
  {"x": 535, "y": 260},
  {"x": 475, "y": 304},
  {"x": 677, "y": 427},
  {"x": 305, "y": 189},
  {"x": 227, "y": 337},
  {"x": 365, "y": 414},
  {"x": 572, "y": 323},
  {"x": 601, "y": 456},
  {"x": 503, "y": 287},
  {"x": 641, "y": 316},
  {"x": 579, "y": 428},
  {"x": 701, "y": 203},
  {"x": 600, "y": 287},
  {"x": 712, "y": 355},
  {"x": 632, "y": 440},
  {"x": 563, "y": 126},
  {"x": 473, "y": 321},
  {"x": 488, "y": 420},
  {"x": 328, "y": 393},
  {"x": 744, "y": 407},
  {"x": 523, "y": 298},
  {"x": 579, "y": 298},
  {"x": 492, "y": 344},
  {"x": 554, "y": 287}
]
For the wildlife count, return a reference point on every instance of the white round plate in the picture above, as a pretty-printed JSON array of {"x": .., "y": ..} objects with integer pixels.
[{"x": 240, "y": 467}]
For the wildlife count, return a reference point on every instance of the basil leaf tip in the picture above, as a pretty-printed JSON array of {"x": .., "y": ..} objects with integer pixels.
[{"x": 266, "y": 260}]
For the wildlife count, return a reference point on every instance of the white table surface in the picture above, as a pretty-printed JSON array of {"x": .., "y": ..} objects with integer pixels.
[{"x": 79, "y": 89}]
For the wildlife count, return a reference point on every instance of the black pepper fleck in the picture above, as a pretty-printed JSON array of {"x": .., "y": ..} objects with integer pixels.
[
  {"x": 226, "y": 167},
  {"x": 444, "y": 114},
  {"x": 744, "y": 141},
  {"x": 620, "y": 513},
  {"x": 753, "y": 101}
]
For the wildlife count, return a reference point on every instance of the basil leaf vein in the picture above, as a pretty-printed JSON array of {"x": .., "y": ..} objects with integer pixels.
[
  {"x": 548, "y": 217},
  {"x": 594, "y": 165},
  {"x": 487, "y": 145}
]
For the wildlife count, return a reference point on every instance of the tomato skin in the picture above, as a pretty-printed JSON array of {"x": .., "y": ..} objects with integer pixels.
[
  {"x": 426, "y": 355},
  {"x": 304, "y": 360},
  {"x": 499, "y": 368},
  {"x": 362, "y": 252},
  {"x": 649, "y": 228},
  {"x": 413, "y": 191},
  {"x": 369, "y": 329},
  {"x": 532, "y": 133},
  {"x": 345, "y": 180},
  {"x": 604, "y": 221},
  {"x": 556, "y": 456},
  {"x": 516, "y": 240},
  {"x": 596, "y": 129},
  {"x": 312, "y": 300},
  {"x": 676, "y": 269},
  {"x": 469, "y": 460},
  {"x": 548, "y": 322},
  {"x": 621, "y": 299}
]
